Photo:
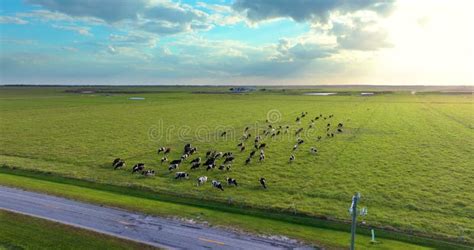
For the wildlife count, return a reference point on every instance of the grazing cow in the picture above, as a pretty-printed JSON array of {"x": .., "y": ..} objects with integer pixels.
[
  {"x": 193, "y": 150},
  {"x": 115, "y": 161},
  {"x": 339, "y": 130},
  {"x": 313, "y": 150},
  {"x": 218, "y": 154},
  {"x": 295, "y": 147},
  {"x": 149, "y": 172},
  {"x": 231, "y": 181},
  {"x": 303, "y": 114},
  {"x": 311, "y": 125},
  {"x": 119, "y": 164},
  {"x": 292, "y": 158},
  {"x": 319, "y": 137},
  {"x": 298, "y": 119},
  {"x": 300, "y": 141},
  {"x": 184, "y": 157},
  {"x": 340, "y": 125},
  {"x": 262, "y": 157},
  {"x": 201, "y": 180},
  {"x": 327, "y": 129},
  {"x": 278, "y": 132},
  {"x": 196, "y": 160},
  {"x": 223, "y": 134},
  {"x": 195, "y": 165},
  {"x": 210, "y": 166},
  {"x": 257, "y": 139},
  {"x": 138, "y": 167},
  {"x": 187, "y": 148},
  {"x": 242, "y": 148},
  {"x": 263, "y": 182},
  {"x": 209, "y": 161},
  {"x": 228, "y": 159},
  {"x": 208, "y": 153},
  {"x": 246, "y": 129},
  {"x": 240, "y": 144},
  {"x": 173, "y": 167},
  {"x": 181, "y": 175},
  {"x": 263, "y": 145},
  {"x": 177, "y": 161},
  {"x": 328, "y": 135},
  {"x": 160, "y": 149},
  {"x": 332, "y": 134},
  {"x": 299, "y": 131},
  {"x": 247, "y": 161},
  {"x": 329, "y": 124},
  {"x": 164, "y": 159},
  {"x": 252, "y": 153},
  {"x": 316, "y": 118},
  {"x": 221, "y": 167},
  {"x": 167, "y": 151},
  {"x": 217, "y": 184}
]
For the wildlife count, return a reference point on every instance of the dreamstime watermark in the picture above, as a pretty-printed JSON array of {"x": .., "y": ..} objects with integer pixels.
[
  {"x": 274, "y": 116},
  {"x": 274, "y": 128}
]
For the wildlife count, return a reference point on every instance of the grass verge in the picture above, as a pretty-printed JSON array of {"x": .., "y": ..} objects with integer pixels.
[{"x": 19, "y": 231}]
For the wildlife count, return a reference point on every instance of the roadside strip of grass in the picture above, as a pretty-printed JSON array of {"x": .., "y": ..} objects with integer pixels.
[
  {"x": 18, "y": 231},
  {"x": 325, "y": 233}
]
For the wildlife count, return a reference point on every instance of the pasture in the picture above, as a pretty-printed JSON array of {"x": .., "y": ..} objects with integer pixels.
[{"x": 411, "y": 156}]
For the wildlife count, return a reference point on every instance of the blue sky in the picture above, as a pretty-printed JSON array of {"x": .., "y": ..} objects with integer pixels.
[{"x": 236, "y": 42}]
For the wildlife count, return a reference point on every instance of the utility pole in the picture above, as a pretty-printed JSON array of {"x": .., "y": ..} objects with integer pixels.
[{"x": 353, "y": 211}]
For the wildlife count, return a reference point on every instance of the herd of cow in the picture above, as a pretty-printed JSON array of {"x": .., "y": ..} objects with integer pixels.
[{"x": 212, "y": 157}]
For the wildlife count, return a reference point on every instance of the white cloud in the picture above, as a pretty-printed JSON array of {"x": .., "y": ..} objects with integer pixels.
[
  {"x": 84, "y": 31},
  {"x": 12, "y": 20}
]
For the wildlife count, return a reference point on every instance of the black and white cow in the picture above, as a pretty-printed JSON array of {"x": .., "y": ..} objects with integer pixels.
[
  {"x": 262, "y": 156},
  {"x": 149, "y": 172},
  {"x": 138, "y": 167},
  {"x": 252, "y": 153},
  {"x": 181, "y": 175},
  {"x": 292, "y": 158},
  {"x": 263, "y": 182},
  {"x": 228, "y": 159},
  {"x": 210, "y": 166},
  {"x": 201, "y": 180},
  {"x": 173, "y": 167},
  {"x": 195, "y": 165},
  {"x": 313, "y": 150},
  {"x": 196, "y": 160},
  {"x": 232, "y": 181},
  {"x": 217, "y": 184},
  {"x": 119, "y": 164},
  {"x": 164, "y": 159},
  {"x": 176, "y": 161},
  {"x": 247, "y": 161},
  {"x": 115, "y": 161},
  {"x": 161, "y": 149}
]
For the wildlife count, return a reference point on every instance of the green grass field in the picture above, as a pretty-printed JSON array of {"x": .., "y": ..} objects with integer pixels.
[
  {"x": 411, "y": 156},
  {"x": 25, "y": 232}
]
